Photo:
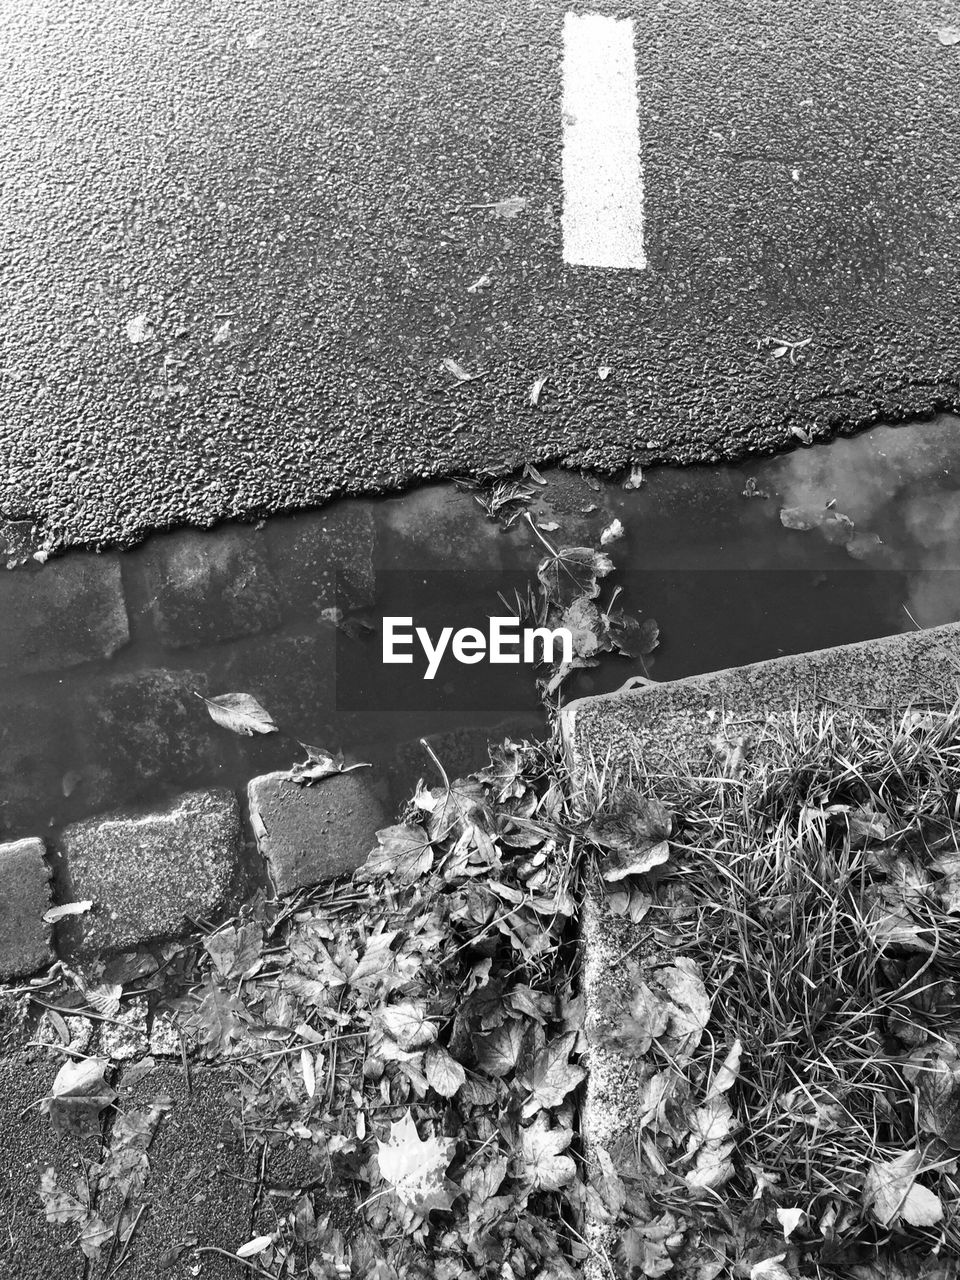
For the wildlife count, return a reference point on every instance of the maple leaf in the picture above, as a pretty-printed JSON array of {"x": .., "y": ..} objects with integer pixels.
[
  {"x": 606, "y": 1183},
  {"x": 646, "y": 1019},
  {"x": 891, "y": 1192},
  {"x": 627, "y": 900},
  {"x": 217, "y": 1019},
  {"x": 633, "y": 830},
  {"x": 646, "y": 1250},
  {"x": 814, "y": 1105},
  {"x": 572, "y": 572},
  {"x": 235, "y": 951},
  {"x": 78, "y": 1095},
  {"x": 407, "y": 1023},
  {"x": 505, "y": 771},
  {"x": 416, "y": 1168},
  {"x": 459, "y": 810},
  {"x": 633, "y": 638},
  {"x": 582, "y": 620},
  {"x": 553, "y": 1075},
  {"x": 543, "y": 1164},
  {"x": 948, "y": 865},
  {"x": 622, "y": 863},
  {"x": 405, "y": 853},
  {"x": 689, "y": 1006},
  {"x": 62, "y": 1207},
  {"x": 376, "y": 968},
  {"x": 710, "y": 1130},
  {"x": 481, "y": 1182}
]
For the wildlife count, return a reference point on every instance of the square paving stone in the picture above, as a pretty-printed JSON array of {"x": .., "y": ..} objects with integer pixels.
[
  {"x": 293, "y": 676},
  {"x": 311, "y": 834},
  {"x": 36, "y": 750},
  {"x": 148, "y": 875},
  {"x": 438, "y": 527},
  {"x": 205, "y": 587},
  {"x": 325, "y": 558},
  {"x": 67, "y": 612},
  {"x": 24, "y": 897},
  {"x": 145, "y": 729}
]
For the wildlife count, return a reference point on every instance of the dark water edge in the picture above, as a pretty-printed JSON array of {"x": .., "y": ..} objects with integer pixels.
[{"x": 101, "y": 656}]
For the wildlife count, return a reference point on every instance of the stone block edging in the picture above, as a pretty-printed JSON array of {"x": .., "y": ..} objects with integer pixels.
[{"x": 308, "y": 834}]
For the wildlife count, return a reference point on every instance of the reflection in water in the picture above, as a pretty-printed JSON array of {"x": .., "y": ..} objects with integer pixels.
[{"x": 249, "y": 609}]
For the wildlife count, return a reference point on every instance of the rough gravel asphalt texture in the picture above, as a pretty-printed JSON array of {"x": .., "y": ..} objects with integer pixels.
[{"x": 238, "y": 245}]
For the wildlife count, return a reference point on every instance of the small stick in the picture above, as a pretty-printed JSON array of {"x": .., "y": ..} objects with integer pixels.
[
  {"x": 432, "y": 754},
  {"x": 252, "y": 1266}
]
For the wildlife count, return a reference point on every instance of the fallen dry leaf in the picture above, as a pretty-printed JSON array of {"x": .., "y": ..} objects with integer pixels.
[
  {"x": 537, "y": 390},
  {"x": 690, "y": 1006},
  {"x": 710, "y": 1130},
  {"x": 612, "y": 533},
  {"x": 553, "y": 1075},
  {"x": 458, "y": 371},
  {"x": 508, "y": 208},
  {"x": 405, "y": 852},
  {"x": 415, "y": 1167},
  {"x": 729, "y": 1070},
  {"x": 935, "y": 1072},
  {"x": 240, "y": 713},
  {"x": 254, "y": 1246},
  {"x": 67, "y": 909},
  {"x": 78, "y": 1095},
  {"x": 891, "y": 1192},
  {"x": 139, "y": 329},
  {"x": 544, "y": 1165},
  {"x": 321, "y": 764},
  {"x": 771, "y": 1269},
  {"x": 572, "y": 572},
  {"x": 789, "y": 1220},
  {"x": 407, "y": 1023},
  {"x": 443, "y": 1072}
]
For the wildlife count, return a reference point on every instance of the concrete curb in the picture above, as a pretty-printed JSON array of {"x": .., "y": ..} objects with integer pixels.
[
  {"x": 691, "y": 723},
  {"x": 876, "y": 675}
]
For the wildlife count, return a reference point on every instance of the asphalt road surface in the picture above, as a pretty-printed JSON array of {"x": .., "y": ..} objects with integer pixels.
[{"x": 240, "y": 240}]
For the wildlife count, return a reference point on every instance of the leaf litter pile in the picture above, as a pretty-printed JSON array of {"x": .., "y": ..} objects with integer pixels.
[
  {"x": 417, "y": 1029},
  {"x": 789, "y": 1018}
]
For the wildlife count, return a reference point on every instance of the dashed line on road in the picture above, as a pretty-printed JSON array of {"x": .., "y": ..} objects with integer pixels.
[{"x": 602, "y": 174}]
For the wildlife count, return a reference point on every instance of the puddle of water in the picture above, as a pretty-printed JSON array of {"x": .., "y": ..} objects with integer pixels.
[{"x": 100, "y": 657}]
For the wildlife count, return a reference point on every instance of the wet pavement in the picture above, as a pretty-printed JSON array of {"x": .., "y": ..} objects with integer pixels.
[
  {"x": 101, "y": 656},
  {"x": 241, "y": 240}
]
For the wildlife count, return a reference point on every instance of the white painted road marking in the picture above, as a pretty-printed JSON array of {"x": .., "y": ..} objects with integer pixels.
[{"x": 602, "y": 175}]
